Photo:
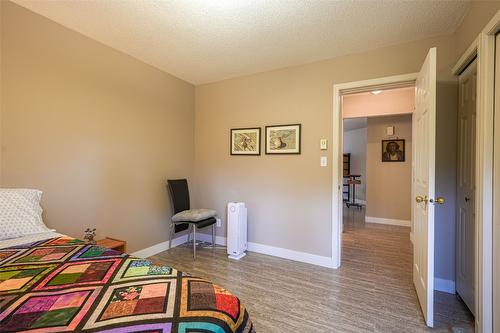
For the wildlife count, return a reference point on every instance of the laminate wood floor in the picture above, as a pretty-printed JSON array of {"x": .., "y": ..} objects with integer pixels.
[{"x": 371, "y": 292}]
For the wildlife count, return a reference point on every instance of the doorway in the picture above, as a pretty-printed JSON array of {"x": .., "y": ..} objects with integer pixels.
[
  {"x": 377, "y": 218},
  {"x": 426, "y": 204},
  {"x": 377, "y": 156},
  {"x": 399, "y": 81}
]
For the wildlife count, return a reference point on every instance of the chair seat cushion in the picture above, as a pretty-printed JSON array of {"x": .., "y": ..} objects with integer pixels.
[
  {"x": 194, "y": 215},
  {"x": 204, "y": 223}
]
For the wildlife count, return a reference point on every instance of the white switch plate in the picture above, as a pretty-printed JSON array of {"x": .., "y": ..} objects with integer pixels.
[
  {"x": 218, "y": 222},
  {"x": 323, "y": 144},
  {"x": 323, "y": 161}
]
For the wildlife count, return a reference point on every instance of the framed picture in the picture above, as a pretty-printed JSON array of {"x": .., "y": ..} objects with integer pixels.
[
  {"x": 245, "y": 141},
  {"x": 283, "y": 139},
  {"x": 393, "y": 150}
]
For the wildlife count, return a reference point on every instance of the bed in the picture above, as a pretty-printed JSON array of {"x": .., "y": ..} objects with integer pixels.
[{"x": 54, "y": 283}]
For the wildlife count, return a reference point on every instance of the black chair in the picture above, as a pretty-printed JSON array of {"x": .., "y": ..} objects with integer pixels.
[{"x": 184, "y": 217}]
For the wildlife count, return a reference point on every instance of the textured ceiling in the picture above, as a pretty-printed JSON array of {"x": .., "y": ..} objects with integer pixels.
[{"x": 209, "y": 40}]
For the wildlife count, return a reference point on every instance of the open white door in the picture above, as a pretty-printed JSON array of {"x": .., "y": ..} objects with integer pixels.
[{"x": 424, "y": 141}]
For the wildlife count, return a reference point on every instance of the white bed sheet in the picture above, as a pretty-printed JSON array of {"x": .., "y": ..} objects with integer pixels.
[{"x": 29, "y": 239}]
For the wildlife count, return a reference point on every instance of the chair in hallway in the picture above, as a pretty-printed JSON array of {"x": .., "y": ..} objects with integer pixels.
[
  {"x": 186, "y": 218},
  {"x": 352, "y": 181}
]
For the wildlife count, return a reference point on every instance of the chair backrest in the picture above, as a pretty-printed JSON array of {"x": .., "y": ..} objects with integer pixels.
[{"x": 179, "y": 194}]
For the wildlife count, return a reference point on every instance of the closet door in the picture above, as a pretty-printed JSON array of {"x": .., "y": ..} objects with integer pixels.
[{"x": 466, "y": 219}]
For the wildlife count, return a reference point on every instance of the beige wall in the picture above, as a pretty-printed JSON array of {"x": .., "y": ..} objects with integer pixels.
[
  {"x": 1, "y": 79},
  {"x": 446, "y": 148},
  {"x": 288, "y": 197},
  {"x": 388, "y": 102},
  {"x": 96, "y": 130},
  {"x": 477, "y": 17},
  {"x": 388, "y": 191}
]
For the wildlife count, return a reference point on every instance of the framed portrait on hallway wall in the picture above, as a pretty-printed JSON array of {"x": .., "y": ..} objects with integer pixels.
[{"x": 393, "y": 150}]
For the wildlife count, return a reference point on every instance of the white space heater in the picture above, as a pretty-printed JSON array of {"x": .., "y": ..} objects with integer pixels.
[{"x": 236, "y": 230}]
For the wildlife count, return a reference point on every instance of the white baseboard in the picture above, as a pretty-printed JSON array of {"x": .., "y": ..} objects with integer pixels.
[
  {"x": 371, "y": 219},
  {"x": 446, "y": 286},
  {"x": 219, "y": 240},
  {"x": 291, "y": 254},
  {"x": 411, "y": 237},
  {"x": 160, "y": 247},
  {"x": 252, "y": 247}
]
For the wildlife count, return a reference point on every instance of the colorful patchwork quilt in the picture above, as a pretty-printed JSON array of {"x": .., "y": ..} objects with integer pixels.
[{"x": 63, "y": 284}]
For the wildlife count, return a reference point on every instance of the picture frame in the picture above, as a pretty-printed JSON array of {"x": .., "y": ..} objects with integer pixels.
[
  {"x": 393, "y": 150},
  {"x": 245, "y": 141},
  {"x": 283, "y": 139}
]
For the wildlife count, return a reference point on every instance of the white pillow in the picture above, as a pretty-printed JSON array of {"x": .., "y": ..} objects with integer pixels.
[
  {"x": 194, "y": 215},
  {"x": 20, "y": 213}
]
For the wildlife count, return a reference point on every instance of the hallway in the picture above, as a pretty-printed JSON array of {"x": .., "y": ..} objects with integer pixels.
[{"x": 386, "y": 253}]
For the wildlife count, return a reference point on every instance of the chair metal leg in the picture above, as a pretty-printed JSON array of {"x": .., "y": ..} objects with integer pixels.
[
  {"x": 194, "y": 241},
  {"x": 189, "y": 232},
  {"x": 172, "y": 228},
  {"x": 213, "y": 236}
]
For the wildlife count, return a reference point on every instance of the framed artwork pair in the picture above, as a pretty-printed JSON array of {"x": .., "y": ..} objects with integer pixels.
[{"x": 280, "y": 139}]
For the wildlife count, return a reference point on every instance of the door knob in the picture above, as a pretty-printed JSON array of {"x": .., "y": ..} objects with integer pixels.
[
  {"x": 467, "y": 199},
  {"x": 420, "y": 198},
  {"x": 438, "y": 200}
]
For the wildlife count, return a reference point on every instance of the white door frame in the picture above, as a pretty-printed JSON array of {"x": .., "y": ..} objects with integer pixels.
[
  {"x": 484, "y": 49},
  {"x": 496, "y": 196},
  {"x": 337, "y": 144}
]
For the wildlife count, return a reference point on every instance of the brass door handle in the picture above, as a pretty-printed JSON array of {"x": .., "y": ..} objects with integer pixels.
[
  {"x": 420, "y": 198},
  {"x": 438, "y": 200}
]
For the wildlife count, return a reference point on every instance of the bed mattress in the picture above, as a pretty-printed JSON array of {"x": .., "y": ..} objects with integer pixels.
[{"x": 54, "y": 283}]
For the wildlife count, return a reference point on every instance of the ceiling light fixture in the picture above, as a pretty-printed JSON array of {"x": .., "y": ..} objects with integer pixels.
[{"x": 376, "y": 92}]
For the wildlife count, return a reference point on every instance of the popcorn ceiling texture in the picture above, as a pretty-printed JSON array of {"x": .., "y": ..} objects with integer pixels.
[{"x": 205, "y": 41}]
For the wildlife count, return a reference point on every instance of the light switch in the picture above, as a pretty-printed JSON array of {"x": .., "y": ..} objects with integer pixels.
[
  {"x": 323, "y": 144},
  {"x": 323, "y": 161}
]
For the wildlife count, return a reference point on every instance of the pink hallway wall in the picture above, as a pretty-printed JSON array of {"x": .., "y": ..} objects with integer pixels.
[{"x": 388, "y": 102}]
